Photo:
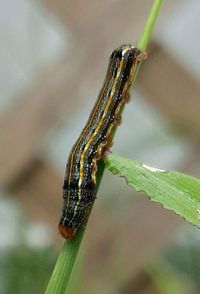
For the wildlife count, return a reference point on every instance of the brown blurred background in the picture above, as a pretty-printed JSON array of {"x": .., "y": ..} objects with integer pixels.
[{"x": 53, "y": 59}]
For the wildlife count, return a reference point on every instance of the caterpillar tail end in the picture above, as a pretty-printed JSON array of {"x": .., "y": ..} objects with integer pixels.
[
  {"x": 66, "y": 233},
  {"x": 142, "y": 56}
]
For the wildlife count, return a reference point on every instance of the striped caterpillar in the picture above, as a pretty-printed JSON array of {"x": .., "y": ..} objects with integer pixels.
[{"x": 79, "y": 189}]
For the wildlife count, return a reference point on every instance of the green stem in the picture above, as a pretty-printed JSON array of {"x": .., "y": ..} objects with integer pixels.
[
  {"x": 66, "y": 259},
  {"x": 146, "y": 35},
  {"x": 64, "y": 264}
]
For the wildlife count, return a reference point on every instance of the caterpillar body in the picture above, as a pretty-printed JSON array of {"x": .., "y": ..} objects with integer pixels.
[{"x": 79, "y": 188}]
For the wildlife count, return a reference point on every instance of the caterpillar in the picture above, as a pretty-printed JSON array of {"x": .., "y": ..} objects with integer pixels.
[{"x": 79, "y": 188}]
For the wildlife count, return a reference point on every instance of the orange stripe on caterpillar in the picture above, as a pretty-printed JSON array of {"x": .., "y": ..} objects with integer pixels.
[{"x": 79, "y": 189}]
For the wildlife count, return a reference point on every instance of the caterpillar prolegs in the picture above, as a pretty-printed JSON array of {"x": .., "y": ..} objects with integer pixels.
[{"x": 79, "y": 189}]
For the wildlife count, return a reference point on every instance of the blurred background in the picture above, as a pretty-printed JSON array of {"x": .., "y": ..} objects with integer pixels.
[{"x": 53, "y": 60}]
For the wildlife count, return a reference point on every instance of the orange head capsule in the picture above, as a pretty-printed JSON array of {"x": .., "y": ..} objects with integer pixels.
[{"x": 66, "y": 233}]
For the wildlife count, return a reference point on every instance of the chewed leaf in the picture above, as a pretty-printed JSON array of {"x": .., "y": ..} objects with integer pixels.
[{"x": 175, "y": 191}]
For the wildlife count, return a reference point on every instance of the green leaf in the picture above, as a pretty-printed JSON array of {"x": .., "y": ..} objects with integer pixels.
[{"x": 175, "y": 191}]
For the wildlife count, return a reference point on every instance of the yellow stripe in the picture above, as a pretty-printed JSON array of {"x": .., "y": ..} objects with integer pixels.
[
  {"x": 97, "y": 129},
  {"x": 85, "y": 130}
]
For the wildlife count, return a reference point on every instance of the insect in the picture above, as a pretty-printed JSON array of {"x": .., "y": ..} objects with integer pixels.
[{"x": 79, "y": 188}]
